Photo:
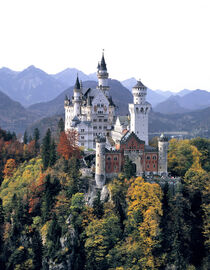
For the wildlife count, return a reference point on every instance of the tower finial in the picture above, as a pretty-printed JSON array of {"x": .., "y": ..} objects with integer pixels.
[{"x": 77, "y": 84}]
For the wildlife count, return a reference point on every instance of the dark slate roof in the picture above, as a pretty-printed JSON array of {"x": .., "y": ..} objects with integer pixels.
[
  {"x": 77, "y": 84},
  {"x": 139, "y": 84},
  {"x": 149, "y": 148},
  {"x": 128, "y": 135},
  {"x": 103, "y": 63}
]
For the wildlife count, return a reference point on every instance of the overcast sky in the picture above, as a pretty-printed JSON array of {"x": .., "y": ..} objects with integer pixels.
[{"x": 166, "y": 43}]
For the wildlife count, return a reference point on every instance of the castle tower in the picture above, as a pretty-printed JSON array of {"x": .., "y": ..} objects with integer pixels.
[
  {"x": 162, "y": 153},
  {"x": 139, "y": 111},
  {"x": 103, "y": 75},
  {"x": 100, "y": 176},
  {"x": 77, "y": 98}
]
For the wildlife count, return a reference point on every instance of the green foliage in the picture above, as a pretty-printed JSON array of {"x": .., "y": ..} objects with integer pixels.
[
  {"x": 98, "y": 207},
  {"x": 129, "y": 169},
  {"x": 102, "y": 235},
  {"x": 61, "y": 125},
  {"x": 25, "y": 137},
  {"x": 46, "y": 147}
]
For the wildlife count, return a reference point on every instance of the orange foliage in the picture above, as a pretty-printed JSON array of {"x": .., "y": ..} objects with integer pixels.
[
  {"x": 36, "y": 190},
  {"x": 9, "y": 167},
  {"x": 67, "y": 146}
]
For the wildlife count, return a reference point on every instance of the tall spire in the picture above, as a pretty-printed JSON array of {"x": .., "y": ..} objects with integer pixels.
[
  {"x": 102, "y": 65},
  {"x": 77, "y": 84}
]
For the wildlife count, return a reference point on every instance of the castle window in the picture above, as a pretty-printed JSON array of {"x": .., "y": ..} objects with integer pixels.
[
  {"x": 154, "y": 157},
  {"x": 148, "y": 157},
  {"x": 82, "y": 137},
  {"x": 154, "y": 166},
  {"x": 148, "y": 166},
  {"x": 82, "y": 130},
  {"x": 108, "y": 158},
  {"x": 115, "y": 158},
  {"x": 95, "y": 127}
]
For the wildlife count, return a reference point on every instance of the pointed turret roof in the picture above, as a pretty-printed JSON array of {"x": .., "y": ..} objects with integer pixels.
[
  {"x": 77, "y": 84},
  {"x": 139, "y": 84},
  {"x": 102, "y": 64}
]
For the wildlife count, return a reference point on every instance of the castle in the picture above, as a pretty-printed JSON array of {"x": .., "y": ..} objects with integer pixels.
[{"x": 91, "y": 112}]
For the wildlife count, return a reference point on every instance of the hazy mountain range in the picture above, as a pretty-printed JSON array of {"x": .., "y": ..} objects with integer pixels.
[{"x": 43, "y": 95}]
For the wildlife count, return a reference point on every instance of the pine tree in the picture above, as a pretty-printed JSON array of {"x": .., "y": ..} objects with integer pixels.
[
  {"x": 25, "y": 137},
  {"x": 36, "y": 137},
  {"x": 53, "y": 156},
  {"x": 37, "y": 250},
  {"x": 98, "y": 207},
  {"x": 61, "y": 125},
  {"x": 46, "y": 146},
  {"x": 1, "y": 235}
]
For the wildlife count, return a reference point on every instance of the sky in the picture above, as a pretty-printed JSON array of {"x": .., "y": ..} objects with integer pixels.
[{"x": 165, "y": 43}]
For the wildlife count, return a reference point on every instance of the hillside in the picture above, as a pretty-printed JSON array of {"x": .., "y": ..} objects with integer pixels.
[
  {"x": 68, "y": 76},
  {"x": 193, "y": 100},
  {"x": 13, "y": 116},
  {"x": 170, "y": 106},
  {"x": 29, "y": 86},
  {"x": 196, "y": 122}
]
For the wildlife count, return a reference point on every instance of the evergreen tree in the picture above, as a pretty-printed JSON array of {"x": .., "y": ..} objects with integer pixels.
[
  {"x": 25, "y": 137},
  {"x": 37, "y": 250},
  {"x": 61, "y": 125},
  {"x": 129, "y": 168},
  {"x": 98, "y": 207},
  {"x": 53, "y": 237},
  {"x": 53, "y": 156},
  {"x": 36, "y": 137},
  {"x": 30, "y": 139},
  {"x": 46, "y": 147},
  {"x": 1, "y": 235},
  {"x": 47, "y": 203}
]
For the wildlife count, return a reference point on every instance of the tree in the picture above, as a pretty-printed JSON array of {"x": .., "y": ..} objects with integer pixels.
[
  {"x": 67, "y": 146},
  {"x": 25, "y": 137},
  {"x": 53, "y": 156},
  {"x": 144, "y": 212},
  {"x": 61, "y": 125},
  {"x": 46, "y": 147},
  {"x": 37, "y": 250},
  {"x": 9, "y": 167},
  {"x": 36, "y": 137},
  {"x": 129, "y": 169},
  {"x": 98, "y": 208}
]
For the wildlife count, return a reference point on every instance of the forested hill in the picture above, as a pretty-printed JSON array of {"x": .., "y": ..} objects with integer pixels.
[
  {"x": 13, "y": 116},
  {"x": 46, "y": 221}
]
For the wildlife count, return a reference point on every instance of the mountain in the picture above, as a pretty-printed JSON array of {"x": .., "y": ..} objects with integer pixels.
[
  {"x": 29, "y": 86},
  {"x": 170, "y": 106},
  {"x": 197, "y": 122},
  {"x": 183, "y": 92},
  {"x": 129, "y": 83},
  {"x": 13, "y": 116},
  {"x": 120, "y": 95},
  {"x": 194, "y": 100},
  {"x": 164, "y": 93},
  {"x": 69, "y": 75}
]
